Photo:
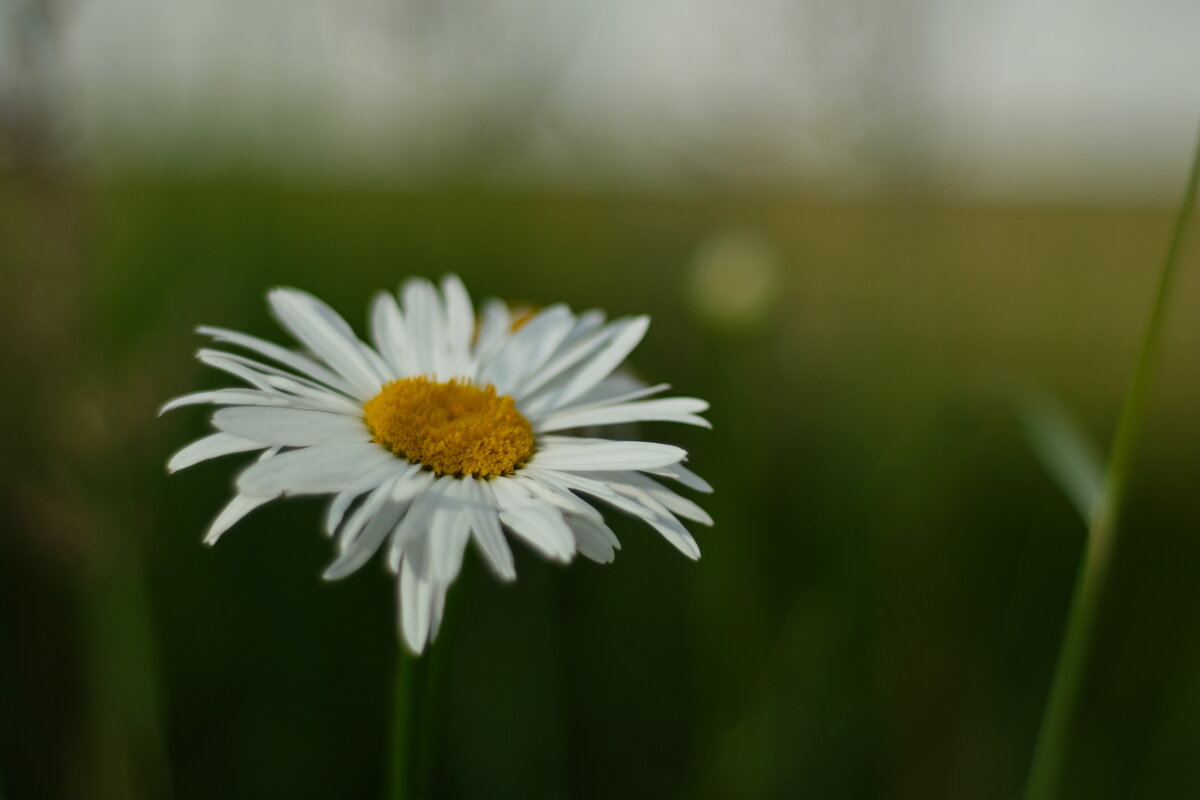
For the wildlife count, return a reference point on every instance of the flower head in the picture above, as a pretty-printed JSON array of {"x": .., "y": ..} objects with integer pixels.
[{"x": 446, "y": 428}]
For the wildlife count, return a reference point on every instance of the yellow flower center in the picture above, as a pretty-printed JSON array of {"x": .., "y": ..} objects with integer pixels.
[{"x": 452, "y": 428}]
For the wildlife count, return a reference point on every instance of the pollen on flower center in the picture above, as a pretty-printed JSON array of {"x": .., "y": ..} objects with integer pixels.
[{"x": 453, "y": 427}]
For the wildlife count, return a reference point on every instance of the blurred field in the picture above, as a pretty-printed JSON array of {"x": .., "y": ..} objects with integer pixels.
[{"x": 878, "y": 606}]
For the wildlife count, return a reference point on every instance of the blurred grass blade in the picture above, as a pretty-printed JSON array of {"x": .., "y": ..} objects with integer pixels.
[
  {"x": 1045, "y": 774},
  {"x": 1065, "y": 450},
  {"x": 128, "y": 737}
]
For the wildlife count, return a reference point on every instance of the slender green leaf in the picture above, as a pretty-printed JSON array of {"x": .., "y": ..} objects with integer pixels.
[
  {"x": 1045, "y": 775},
  {"x": 1065, "y": 450}
]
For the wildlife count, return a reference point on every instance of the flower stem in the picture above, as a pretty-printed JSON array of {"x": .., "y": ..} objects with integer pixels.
[
  {"x": 408, "y": 700},
  {"x": 1045, "y": 775},
  {"x": 129, "y": 756}
]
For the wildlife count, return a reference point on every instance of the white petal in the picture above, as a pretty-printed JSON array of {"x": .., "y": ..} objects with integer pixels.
[
  {"x": 380, "y": 495},
  {"x": 425, "y": 321},
  {"x": 388, "y": 334},
  {"x": 227, "y": 397},
  {"x": 626, "y": 395},
  {"x": 573, "y": 481},
  {"x": 338, "y": 506},
  {"x": 367, "y": 528},
  {"x": 415, "y": 598},
  {"x": 674, "y": 532},
  {"x": 585, "y": 323},
  {"x": 438, "y": 609},
  {"x": 485, "y": 524},
  {"x": 570, "y": 453},
  {"x": 315, "y": 397},
  {"x": 537, "y": 522},
  {"x": 323, "y": 331},
  {"x": 543, "y": 527},
  {"x": 460, "y": 326},
  {"x": 247, "y": 369},
  {"x": 670, "y": 501},
  {"x": 594, "y": 539},
  {"x": 627, "y": 335},
  {"x": 212, "y": 446},
  {"x": 684, "y": 475},
  {"x": 565, "y": 500},
  {"x": 409, "y": 538},
  {"x": 312, "y": 470},
  {"x": 668, "y": 409},
  {"x": 297, "y": 361},
  {"x": 659, "y": 516},
  {"x": 631, "y": 500},
  {"x": 449, "y": 529},
  {"x": 290, "y": 427},
  {"x": 527, "y": 349},
  {"x": 612, "y": 389},
  {"x": 415, "y": 481},
  {"x": 274, "y": 379},
  {"x": 494, "y": 329},
  {"x": 238, "y": 507},
  {"x": 406, "y": 489},
  {"x": 343, "y": 500},
  {"x": 574, "y": 349}
]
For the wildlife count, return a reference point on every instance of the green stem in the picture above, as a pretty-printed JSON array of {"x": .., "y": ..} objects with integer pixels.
[
  {"x": 129, "y": 754},
  {"x": 1045, "y": 774},
  {"x": 407, "y": 701},
  {"x": 413, "y": 728}
]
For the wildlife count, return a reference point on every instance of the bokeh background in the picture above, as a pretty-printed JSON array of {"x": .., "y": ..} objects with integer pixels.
[{"x": 867, "y": 232}]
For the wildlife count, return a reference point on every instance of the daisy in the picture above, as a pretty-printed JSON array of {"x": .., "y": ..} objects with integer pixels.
[{"x": 445, "y": 429}]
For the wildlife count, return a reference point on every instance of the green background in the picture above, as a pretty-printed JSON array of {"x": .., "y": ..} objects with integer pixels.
[{"x": 878, "y": 607}]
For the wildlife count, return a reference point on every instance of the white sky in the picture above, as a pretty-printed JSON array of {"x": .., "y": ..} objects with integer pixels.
[{"x": 1082, "y": 98}]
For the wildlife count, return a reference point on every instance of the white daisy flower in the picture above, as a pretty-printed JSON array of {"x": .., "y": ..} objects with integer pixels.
[{"x": 445, "y": 429}]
